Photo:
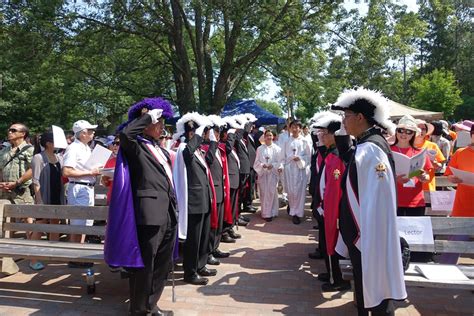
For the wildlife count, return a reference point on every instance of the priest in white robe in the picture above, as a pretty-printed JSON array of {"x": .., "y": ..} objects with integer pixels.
[
  {"x": 297, "y": 155},
  {"x": 268, "y": 166}
]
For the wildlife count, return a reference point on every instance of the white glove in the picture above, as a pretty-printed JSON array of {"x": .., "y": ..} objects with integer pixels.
[
  {"x": 231, "y": 131},
  {"x": 212, "y": 136},
  {"x": 200, "y": 130},
  {"x": 155, "y": 115},
  {"x": 341, "y": 132}
]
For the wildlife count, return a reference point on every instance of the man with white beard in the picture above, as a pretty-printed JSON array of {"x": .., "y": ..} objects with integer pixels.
[{"x": 296, "y": 155}]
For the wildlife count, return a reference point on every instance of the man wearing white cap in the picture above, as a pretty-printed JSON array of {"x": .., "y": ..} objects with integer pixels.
[
  {"x": 368, "y": 206},
  {"x": 81, "y": 179}
]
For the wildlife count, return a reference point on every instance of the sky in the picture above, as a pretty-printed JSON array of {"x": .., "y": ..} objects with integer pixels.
[{"x": 272, "y": 88}]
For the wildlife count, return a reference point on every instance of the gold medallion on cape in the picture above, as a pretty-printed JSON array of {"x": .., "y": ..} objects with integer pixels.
[
  {"x": 336, "y": 173},
  {"x": 380, "y": 168}
]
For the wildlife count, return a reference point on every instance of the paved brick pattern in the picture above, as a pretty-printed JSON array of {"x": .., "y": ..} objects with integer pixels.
[{"x": 268, "y": 273}]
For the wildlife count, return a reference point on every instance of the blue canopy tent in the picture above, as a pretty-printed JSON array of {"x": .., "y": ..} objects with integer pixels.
[{"x": 250, "y": 106}]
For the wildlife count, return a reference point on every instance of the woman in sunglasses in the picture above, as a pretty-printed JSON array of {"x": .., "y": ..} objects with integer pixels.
[{"x": 411, "y": 201}]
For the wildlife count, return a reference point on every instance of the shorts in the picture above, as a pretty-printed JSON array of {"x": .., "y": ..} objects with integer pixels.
[
  {"x": 78, "y": 194},
  {"x": 15, "y": 198}
]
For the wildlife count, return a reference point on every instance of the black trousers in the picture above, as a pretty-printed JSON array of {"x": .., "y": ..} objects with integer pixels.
[
  {"x": 248, "y": 194},
  {"x": 234, "y": 194},
  {"x": 146, "y": 285},
  {"x": 216, "y": 234},
  {"x": 386, "y": 307},
  {"x": 321, "y": 233},
  {"x": 196, "y": 246},
  {"x": 244, "y": 189}
]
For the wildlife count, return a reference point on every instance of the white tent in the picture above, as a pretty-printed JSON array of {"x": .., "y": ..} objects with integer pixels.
[{"x": 398, "y": 110}]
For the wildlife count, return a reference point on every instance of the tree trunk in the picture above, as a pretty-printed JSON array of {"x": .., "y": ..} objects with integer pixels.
[{"x": 181, "y": 69}]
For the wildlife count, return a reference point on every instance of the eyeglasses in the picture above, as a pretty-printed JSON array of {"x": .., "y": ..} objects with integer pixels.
[
  {"x": 14, "y": 130},
  {"x": 116, "y": 143},
  {"x": 405, "y": 131}
]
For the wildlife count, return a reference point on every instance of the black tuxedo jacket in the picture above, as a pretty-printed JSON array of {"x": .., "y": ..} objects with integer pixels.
[
  {"x": 242, "y": 152},
  {"x": 216, "y": 171},
  {"x": 199, "y": 192},
  {"x": 153, "y": 195},
  {"x": 232, "y": 164},
  {"x": 251, "y": 148}
]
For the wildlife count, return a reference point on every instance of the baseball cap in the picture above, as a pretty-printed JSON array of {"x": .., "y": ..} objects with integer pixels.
[{"x": 82, "y": 125}]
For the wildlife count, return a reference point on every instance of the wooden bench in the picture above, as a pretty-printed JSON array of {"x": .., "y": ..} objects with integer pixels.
[
  {"x": 44, "y": 250},
  {"x": 442, "y": 226},
  {"x": 442, "y": 184}
]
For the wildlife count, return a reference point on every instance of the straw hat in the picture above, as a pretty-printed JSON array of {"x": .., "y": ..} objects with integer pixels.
[
  {"x": 429, "y": 127},
  {"x": 409, "y": 122}
]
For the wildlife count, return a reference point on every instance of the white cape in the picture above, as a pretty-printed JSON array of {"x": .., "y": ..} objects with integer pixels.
[
  {"x": 181, "y": 188},
  {"x": 375, "y": 214}
]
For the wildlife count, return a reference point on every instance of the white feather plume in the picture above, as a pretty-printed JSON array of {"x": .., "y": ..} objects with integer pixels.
[
  {"x": 191, "y": 116},
  {"x": 231, "y": 121},
  {"x": 381, "y": 104},
  {"x": 216, "y": 120},
  {"x": 325, "y": 118},
  {"x": 250, "y": 117}
]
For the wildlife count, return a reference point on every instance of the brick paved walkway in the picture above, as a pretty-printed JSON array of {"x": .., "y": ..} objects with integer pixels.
[{"x": 268, "y": 273}]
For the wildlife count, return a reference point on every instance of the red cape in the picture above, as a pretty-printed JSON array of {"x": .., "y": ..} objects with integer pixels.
[{"x": 334, "y": 169}]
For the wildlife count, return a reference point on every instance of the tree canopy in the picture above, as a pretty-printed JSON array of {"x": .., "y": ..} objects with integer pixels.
[{"x": 66, "y": 60}]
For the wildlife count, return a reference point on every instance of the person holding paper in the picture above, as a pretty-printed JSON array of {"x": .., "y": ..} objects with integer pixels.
[
  {"x": 436, "y": 156},
  {"x": 368, "y": 207},
  {"x": 411, "y": 201},
  {"x": 81, "y": 179},
  {"x": 463, "y": 159}
]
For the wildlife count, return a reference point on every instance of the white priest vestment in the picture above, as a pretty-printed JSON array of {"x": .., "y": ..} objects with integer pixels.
[
  {"x": 268, "y": 178},
  {"x": 295, "y": 175}
]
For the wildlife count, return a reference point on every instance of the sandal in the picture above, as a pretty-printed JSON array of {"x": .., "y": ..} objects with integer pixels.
[{"x": 37, "y": 266}]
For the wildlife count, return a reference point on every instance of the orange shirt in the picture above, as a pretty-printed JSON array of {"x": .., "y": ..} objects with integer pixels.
[
  {"x": 439, "y": 157},
  {"x": 463, "y": 159}
]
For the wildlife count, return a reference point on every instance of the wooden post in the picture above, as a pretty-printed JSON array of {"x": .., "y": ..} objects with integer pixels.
[{"x": 8, "y": 266}]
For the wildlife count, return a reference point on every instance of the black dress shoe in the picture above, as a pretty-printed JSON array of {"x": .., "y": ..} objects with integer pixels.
[
  {"x": 324, "y": 277},
  {"x": 242, "y": 223},
  {"x": 227, "y": 239},
  {"x": 315, "y": 255},
  {"x": 234, "y": 235},
  {"x": 343, "y": 286},
  {"x": 207, "y": 272},
  {"x": 249, "y": 209},
  {"x": 220, "y": 254},
  {"x": 268, "y": 219},
  {"x": 296, "y": 220},
  {"x": 244, "y": 218},
  {"x": 160, "y": 312},
  {"x": 212, "y": 260},
  {"x": 196, "y": 279}
]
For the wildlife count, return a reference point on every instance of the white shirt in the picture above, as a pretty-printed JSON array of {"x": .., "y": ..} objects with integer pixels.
[{"x": 76, "y": 156}]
